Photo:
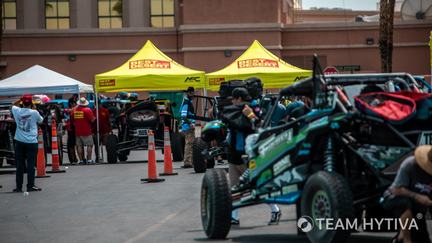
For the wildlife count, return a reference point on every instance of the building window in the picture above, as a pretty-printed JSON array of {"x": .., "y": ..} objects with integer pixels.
[
  {"x": 162, "y": 13},
  {"x": 9, "y": 14},
  {"x": 110, "y": 14},
  {"x": 57, "y": 14}
]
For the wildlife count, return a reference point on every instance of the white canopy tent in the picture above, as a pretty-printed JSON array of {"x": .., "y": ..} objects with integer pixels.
[{"x": 40, "y": 80}]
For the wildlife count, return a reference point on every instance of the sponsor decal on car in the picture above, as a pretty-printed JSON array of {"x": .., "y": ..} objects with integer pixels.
[
  {"x": 149, "y": 63},
  {"x": 274, "y": 141},
  {"x": 257, "y": 62}
]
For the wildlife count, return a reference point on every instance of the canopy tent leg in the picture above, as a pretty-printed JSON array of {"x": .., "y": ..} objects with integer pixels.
[{"x": 97, "y": 145}]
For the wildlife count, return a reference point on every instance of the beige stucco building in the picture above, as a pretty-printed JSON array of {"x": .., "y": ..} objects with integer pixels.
[{"x": 81, "y": 38}]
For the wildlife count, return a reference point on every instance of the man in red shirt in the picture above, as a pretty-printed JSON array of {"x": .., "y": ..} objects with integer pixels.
[
  {"x": 104, "y": 126},
  {"x": 82, "y": 118}
]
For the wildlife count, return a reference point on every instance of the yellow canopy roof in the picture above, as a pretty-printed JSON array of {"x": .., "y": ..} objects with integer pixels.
[
  {"x": 149, "y": 69},
  {"x": 259, "y": 62}
]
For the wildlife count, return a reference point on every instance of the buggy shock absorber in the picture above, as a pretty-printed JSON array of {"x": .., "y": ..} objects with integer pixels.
[{"x": 329, "y": 156}]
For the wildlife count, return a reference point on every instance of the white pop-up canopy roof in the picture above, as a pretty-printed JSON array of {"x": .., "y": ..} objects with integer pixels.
[{"x": 40, "y": 80}]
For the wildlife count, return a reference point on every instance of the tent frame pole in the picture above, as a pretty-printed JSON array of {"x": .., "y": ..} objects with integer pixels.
[{"x": 97, "y": 129}]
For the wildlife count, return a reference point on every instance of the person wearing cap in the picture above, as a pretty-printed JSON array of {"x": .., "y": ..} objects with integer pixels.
[
  {"x": 410, "y": 194},
  {"x": 71, "y": 137},
  {"x": 187, "y": 125},
  {"x": 239, "y": 128},
  {"x": 82, "y": 118},
  {"x": 26, "y": 141}
]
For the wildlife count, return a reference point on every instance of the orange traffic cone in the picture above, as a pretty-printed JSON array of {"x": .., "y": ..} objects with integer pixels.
[
  {"x": 152, "y": 170},
  {"x": 40, "y": 166},
  {"x": 55, "y": 163},
  {"x": 168, "y": 167}
]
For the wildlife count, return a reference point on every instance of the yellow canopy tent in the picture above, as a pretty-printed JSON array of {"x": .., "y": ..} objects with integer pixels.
[
  {"x": 149, "y": 69},
  {"x": 259, "y": 62}
]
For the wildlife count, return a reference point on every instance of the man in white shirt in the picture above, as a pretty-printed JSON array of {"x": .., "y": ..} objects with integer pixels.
[{"x": 26, "y": 141}]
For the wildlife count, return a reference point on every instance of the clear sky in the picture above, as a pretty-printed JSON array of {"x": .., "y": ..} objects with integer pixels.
[{"x": 350, "y": 4}]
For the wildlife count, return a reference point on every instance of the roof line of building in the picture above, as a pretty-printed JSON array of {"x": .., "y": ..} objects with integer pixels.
[
  {"x": 203, "y": 49},
  {"x": 211, "y": 28}
]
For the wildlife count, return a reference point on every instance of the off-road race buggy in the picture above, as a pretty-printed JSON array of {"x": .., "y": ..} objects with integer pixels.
[
  {"x": 211, "y": 145},
  {"x": 135, "y": 120},
  {"x": 334, "y": 162}
]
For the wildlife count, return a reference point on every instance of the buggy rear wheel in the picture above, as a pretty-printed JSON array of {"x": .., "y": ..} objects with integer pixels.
[
  {"x": 198, "y": 159},
  {"x": 111, "y": 148},
  {"x": 326, "y": 195},
  {"x": 216, "y": 204}
]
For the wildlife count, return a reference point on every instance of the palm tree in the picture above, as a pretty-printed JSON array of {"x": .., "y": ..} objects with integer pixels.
[{"x": 386, "y": 34}]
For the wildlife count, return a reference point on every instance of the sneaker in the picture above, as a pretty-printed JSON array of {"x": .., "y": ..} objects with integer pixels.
[
  {"x": 90, "y": 161},
  {"x": 82, "y": 162},
  {"x": 235, "y": 221},
  {"x": 275, "y": 217},
  {"x": 186, "y": 166},
  {"x": 34, "y": 189},
  {"x": 17, "y": 190}
]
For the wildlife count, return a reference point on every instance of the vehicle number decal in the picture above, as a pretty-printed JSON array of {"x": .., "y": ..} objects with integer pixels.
[{"x": 425, "y": 138}]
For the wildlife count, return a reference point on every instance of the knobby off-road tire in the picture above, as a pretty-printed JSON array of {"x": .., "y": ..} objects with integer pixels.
[
  {"x": 327, "y": 195},
  {"x": 198, "y": 159},
  {"x": 216, "y": 204},
  {"x": 177, "y": 146},
  {"x": 111, "y": 148},
  {"x": 122, "y": 156}
]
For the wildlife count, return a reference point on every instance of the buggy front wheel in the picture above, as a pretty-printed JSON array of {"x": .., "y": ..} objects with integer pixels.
[
  {"x": 326, "y": 195},
  {"x": 216, "y": 204}
]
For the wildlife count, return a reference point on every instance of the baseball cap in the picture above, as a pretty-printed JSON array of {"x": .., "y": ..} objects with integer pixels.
[{"x": 27, "y": 99}]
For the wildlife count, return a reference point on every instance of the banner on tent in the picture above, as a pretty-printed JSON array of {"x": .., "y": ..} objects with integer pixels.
[
  {"x": 216, "y": 81},
  {"x": 149, "y": 63},
  {"x": 192, "y": 79},
  {"x": 106, "y": 82},
  {"x": 257, "y": 62}
]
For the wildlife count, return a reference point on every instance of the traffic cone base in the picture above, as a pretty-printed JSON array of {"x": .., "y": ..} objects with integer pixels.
[
  {"x": 168, "y": 174},
  {"x": 150, "y": 180},
  {"x": 44, "y": 176},
  {"x": 152, "y": 167},
  {"x": 56, "y": 171}
]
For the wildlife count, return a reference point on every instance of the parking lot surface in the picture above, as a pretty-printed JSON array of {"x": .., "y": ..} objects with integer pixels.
[{"x": 109, "y": 203}]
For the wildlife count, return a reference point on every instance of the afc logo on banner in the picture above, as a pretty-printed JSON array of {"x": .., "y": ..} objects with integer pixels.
[{"x": 192, "y": 80}]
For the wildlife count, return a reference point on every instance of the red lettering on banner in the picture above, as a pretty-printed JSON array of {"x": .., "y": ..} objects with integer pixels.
[
  {"x": 257, "y": 62},
  {"x": 149, "y": 63}
]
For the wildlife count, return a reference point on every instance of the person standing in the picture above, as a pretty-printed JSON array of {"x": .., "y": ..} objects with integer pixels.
[
  {"x": 71, "y": 139},
  {"x": 188, "y": 125},
  {"x": 104, "y": 127},
  {"x": 26, "y": 142},
  {"x": 239, "y": 128},
  {"x": 82, "y": 118}
]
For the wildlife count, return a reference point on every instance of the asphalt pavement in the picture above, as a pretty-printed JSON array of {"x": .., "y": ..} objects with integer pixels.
[{"x": 108, "y": 203}]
